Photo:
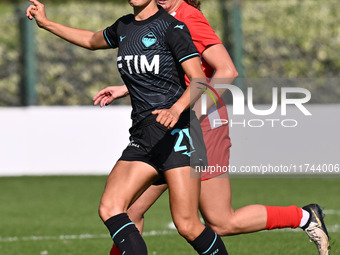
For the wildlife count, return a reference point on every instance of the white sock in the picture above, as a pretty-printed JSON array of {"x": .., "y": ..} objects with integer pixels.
[{"x": 305, "y": 218}]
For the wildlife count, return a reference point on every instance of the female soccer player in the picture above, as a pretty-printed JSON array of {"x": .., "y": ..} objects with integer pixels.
[
  {"x": 153, "y": 51},
  {"x": 215, "y": 199}
]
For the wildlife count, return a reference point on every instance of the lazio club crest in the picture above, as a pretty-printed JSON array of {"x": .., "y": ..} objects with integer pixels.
[{"x": 149, "y": 39}]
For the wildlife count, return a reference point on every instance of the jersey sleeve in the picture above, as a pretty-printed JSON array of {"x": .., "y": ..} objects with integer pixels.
[
  {"x": 180, "y": 42},
  {"x": 202, "y": 33},
  {"x": 111, "y": 35}
]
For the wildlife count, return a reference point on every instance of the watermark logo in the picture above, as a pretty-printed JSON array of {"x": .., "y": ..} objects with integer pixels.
[
  {"x": 302, "y": 96},
  {"x": 204, "y": 96}
]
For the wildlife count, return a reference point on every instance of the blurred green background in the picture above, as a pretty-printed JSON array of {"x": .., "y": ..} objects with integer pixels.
[{"x": 281, "y": 39}]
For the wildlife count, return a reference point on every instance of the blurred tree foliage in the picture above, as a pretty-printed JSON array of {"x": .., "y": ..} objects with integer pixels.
[
  {"x": 282, "y": 39},
  {"x": 65, "y": 1}
]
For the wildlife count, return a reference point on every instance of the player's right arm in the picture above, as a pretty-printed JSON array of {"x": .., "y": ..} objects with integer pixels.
[{"x": 84, "y": 38}]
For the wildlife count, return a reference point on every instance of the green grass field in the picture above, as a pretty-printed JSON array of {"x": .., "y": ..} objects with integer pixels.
[{"x": 58, "y": 216}]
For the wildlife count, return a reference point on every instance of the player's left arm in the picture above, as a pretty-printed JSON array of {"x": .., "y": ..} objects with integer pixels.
[
  {"x": 184, "y": 51},
  {"x": 219, "y": 59},
  {"x": 213, "y": 52},
  {"x": 193, "y": 69},
  {"x": 211, "y": 49},
  {"x": 225, "y": 72}
]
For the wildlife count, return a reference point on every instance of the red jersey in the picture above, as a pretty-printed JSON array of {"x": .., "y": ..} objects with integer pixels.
[
  {"x": 217, "y": 140},
  {"x": 201, "y": 32}
]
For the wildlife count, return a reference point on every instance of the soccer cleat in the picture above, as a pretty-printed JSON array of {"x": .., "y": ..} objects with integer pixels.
[{"x": 316, "y": 229}]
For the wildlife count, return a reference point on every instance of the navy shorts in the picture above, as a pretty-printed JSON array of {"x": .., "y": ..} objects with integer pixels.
[{"x": 164, "y": 149}]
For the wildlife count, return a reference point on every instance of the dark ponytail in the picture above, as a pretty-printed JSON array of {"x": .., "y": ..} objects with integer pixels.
[{"x": 194, "y": 3}]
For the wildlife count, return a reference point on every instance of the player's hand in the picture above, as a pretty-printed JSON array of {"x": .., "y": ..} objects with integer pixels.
[
  {"x": 37, "y": 11},
  {"x": 107, "y": 95},
  {"x": 167, "y": 117}
]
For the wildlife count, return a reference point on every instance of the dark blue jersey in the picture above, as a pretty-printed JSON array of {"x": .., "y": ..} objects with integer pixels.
[{"x": 149, "y": 60}]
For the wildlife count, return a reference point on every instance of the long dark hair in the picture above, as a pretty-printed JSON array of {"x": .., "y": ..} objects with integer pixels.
[{"x": 194, "y": 3}]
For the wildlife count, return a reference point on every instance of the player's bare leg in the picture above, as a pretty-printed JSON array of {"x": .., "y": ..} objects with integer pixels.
[
  {"x": 133, "y": 178},
  {"x": 224, "y": 220},
  {"x": 217, "y": 211},
  {"x": 126, "y": 182},
  {"x": 184, "y": 194},
  {"x": 139, "y": 207},
  {"x": 184, "y": 199},
  {"x": 143, "y": 203}
]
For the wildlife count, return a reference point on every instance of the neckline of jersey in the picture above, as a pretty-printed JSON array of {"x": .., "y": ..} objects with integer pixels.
[{"x": 151, "y": 18}]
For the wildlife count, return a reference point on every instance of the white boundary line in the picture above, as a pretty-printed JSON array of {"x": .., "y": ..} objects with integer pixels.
[
  {"x": 331, "y": 212},
  {"x": 78, "y": 237},
  {"x": 172, "y": 231},
  {"x": 331, "y": 229}
]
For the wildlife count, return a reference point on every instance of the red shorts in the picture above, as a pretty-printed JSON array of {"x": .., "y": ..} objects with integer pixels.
[{"x": 217, "y": 141}]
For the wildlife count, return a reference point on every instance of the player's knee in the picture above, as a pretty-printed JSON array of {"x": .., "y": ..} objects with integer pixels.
[
  {"x": 186, "y": 229},
  {"x": 104, "y": 211},
  {"x": 226, "y": 227},
  {"x": 218, "y": 229},
  {"x": 108, "y": 209}
]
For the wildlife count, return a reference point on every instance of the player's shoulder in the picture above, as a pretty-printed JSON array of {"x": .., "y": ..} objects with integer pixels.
[
  {"x": 172, "y": 22},
  {"x": 120, "y": 24},
  {"x": 166, "y": 16},
  {"x": 126, "y": 19}
]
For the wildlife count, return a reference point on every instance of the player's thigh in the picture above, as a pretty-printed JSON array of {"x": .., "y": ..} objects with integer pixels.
[
  {"x": 183, "y": 194},
  {"x": 126, "y": 182},
  {"x": 215, "y": 199}
]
